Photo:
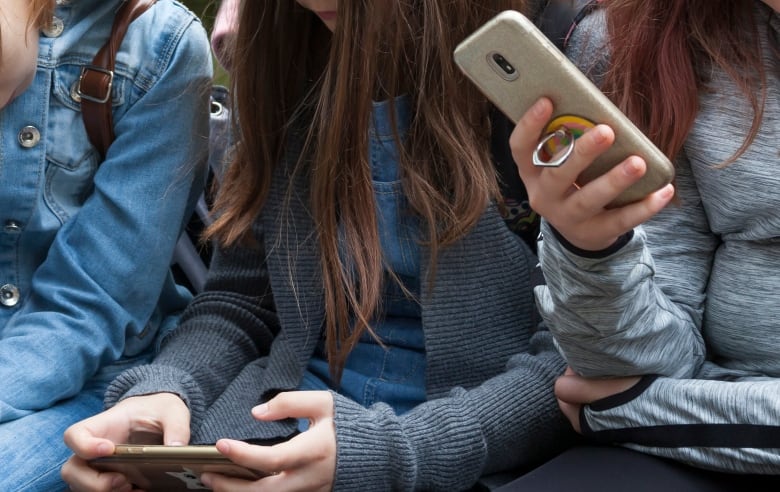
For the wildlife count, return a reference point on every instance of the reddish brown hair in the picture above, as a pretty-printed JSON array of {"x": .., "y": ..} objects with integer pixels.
[
  {"x": 662, "y": 51},
  {"x": 41, "y": 12},
  {"x": 286, "y": 64}
]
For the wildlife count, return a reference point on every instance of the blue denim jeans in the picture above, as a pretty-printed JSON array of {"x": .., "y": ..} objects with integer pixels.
[{"x": 31, "y": 448}]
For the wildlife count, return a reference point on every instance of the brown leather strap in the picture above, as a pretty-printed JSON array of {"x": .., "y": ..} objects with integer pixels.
[{"x": 97, "y": 79}]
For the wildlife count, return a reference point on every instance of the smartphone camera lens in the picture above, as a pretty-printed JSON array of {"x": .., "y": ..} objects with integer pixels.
[
  {"x": 505, "y": 65},
  {"x": 501, "y": 66}
]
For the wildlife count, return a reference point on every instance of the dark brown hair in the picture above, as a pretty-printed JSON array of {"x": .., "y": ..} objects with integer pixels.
[
  {"x": 287, "y": 66},
  {"x": 41, "y": 12},
  {"x": 662, "y": 53}
]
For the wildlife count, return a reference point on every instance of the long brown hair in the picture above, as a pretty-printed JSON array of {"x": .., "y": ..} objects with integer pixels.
[
  {"x": 662, "y": 53},
  {"x": 287, "y": 65},
  {"x": 41, "y": 12}
]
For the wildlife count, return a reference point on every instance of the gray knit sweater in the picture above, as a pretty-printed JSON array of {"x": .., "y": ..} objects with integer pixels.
[
  {"x": 489, "y": 376},
  {"x": 694, "y": 295}
]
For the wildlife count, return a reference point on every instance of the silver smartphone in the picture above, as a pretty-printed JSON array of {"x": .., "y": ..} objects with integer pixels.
[
  {"x": 514, "y": 64},
  {"x": 161, "y": 468}
]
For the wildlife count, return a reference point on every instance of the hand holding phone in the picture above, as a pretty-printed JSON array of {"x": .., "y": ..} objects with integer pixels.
[
  {"x": 581, "y": 215},
  {"x": 514, "y": 64},
  {"x": 155, "y": 416}
]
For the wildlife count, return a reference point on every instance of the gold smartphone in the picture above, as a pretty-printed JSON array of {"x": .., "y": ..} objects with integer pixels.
[
  {"x": 170, "y": 468},
  {"x": 514, "y": 64}
]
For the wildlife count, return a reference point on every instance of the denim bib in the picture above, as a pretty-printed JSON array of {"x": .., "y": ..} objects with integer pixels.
[{"x": 393, "y": 374}]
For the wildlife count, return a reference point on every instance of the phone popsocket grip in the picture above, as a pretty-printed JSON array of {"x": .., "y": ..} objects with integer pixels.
[{"x": 558, "y": 142}]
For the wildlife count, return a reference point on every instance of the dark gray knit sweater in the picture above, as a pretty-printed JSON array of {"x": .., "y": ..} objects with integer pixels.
[{"x": 489, "y": 379}]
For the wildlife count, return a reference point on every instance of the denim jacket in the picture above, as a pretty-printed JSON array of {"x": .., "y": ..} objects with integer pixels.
[{"x": 85, "y": 246}]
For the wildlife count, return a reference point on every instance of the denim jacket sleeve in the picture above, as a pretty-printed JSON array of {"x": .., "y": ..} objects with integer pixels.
[{"x": 102, "y": 286}]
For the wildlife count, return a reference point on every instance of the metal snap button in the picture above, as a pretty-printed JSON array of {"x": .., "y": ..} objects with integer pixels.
[
  {"x": 29, "y": 137},
  {"x": 9, "y": 295},
  {"x": 12, "y": 226},
  {"x": 217, "y": 108},
  {"x": 74, "y": 92},
  {"x": 54, "y": 29}
]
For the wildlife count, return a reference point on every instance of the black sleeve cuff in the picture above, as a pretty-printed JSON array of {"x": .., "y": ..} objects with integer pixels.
[{"x": 602, "y": 253}]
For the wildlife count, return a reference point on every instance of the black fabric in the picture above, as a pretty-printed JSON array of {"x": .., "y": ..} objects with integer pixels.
[
  {"x": 613, "y": 469},
  {"x": 693, "y": 435},
  {"x": 559, "y": 17},
  {"x": 624, "y": 397},
  {"x": 602, "y": 253},
  {"x": 192, "y": 256},
  {"x": 515, "y": 209}
]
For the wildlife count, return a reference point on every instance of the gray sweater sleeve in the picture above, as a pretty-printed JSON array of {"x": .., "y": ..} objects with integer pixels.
[
  {"x": 447, "y": 443},
  {"x": 631, "y": 312}
]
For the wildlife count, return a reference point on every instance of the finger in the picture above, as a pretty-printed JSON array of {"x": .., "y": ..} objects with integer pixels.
[
  {"x": 85, "y": 438},
  {"x": 525, "y": 137},
  {"x": 165, "y": 414},
  {"x": 176, "y": 428},
  {"x": 264, "y": 459},
  {"x": 296, "y": 404},
  {"x": 593, "y": 198},
  {"x": 297, "y": 480},
  {"x": 269, "y": 459},
  {"x": 586, "y": 149},
  {"x": 224, "y": 483},
  {"x": 280, "y": 482},
  {"x": 573, "y": 389},
  {"x": 572, "y": 414},
  {"x": 284, "y": 481},
  {"x": 293, "y": 454},
  {"x": 602, "y": 190},
  {"x": 81, "y": 477},
  {"x": 313, "y": 445},
  {"x": 618, "y": 221}
]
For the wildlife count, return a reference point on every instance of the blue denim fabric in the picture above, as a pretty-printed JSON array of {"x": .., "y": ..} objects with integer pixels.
[
  {"x": 32, "y": 451},
  {"x": 88, "y": 248},
  {"x": 393, "y": 374}
]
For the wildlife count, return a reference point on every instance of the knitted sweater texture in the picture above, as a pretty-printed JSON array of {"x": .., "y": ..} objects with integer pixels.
[{"x": 490, "y": 370}]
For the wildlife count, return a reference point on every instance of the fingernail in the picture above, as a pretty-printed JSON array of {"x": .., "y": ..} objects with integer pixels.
[
  {"x": 206, "y": 479},
  {"x": 667, "y": 191},
  {"x": 599, "y": 134},
  {"x": 223, "y": 445},
  {"x": 175, "y": 443},
  {"x": 103, "y": 448},
  {"x": 538, "y": 107},
  {"x": 260, "y": 409},
  {"x": 633, "y": 166}
]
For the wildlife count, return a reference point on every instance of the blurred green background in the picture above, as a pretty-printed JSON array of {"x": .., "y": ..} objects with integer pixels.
[{"x": 207, "y": 10}]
